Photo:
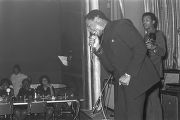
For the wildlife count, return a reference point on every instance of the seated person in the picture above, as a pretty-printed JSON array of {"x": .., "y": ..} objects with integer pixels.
[
  {"x": 46, "y": 90},
  {"x": 6, "y": 91},
  {"x": 25, "y": 92}
]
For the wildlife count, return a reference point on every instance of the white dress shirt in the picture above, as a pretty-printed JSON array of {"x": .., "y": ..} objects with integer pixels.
[{"x": 17, "y": 81}]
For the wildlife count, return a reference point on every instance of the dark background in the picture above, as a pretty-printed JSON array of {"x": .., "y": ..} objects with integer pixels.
[{"x": 34, "y": 32}]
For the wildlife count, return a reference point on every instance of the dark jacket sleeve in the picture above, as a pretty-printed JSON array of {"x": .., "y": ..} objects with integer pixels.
[
  {"x": 104, "y": 60},
  {"x": 20, "y": 93},
  {"x": 53, "y": 90},
  {"x": 39, "y": 90},
  {"x": 32, "y": 92},
  {"x": 161, "y": 44},
  {"x": 132, "y": 38},
  {"x": 12, "y": 92}
]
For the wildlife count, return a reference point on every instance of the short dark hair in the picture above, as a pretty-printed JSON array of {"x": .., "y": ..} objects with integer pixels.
[
  {"x": 42, "y": 77},
  {"x": 26, "y": 79},
  {"x": 17, "y": 67},
  {"x": 96, "y": 13},
  {"x": 5, "y": 80},
  {"x": 153, "y": 17}
]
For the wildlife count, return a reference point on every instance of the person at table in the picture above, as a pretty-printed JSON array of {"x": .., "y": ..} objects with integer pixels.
[
  {"x": 16, "y": 78},
  {"x": 25, "y": 92},
  {"x": 6, "y": 91},
  {"x": 46, "y": 90}
]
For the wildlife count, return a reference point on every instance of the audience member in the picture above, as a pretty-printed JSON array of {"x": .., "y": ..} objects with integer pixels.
[
  {"x": 17, "y": 77},
  {"x": 5, "y": 89},
  {"x": 46, "y": 90},
  {"x": 25, "y": 93}
]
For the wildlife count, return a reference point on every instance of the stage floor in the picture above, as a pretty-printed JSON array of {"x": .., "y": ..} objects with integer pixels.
[{"x": 88, "y": 115}]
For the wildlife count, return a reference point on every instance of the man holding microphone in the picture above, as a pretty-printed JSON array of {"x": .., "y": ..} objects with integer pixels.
[{"x": 122, "y": 52}]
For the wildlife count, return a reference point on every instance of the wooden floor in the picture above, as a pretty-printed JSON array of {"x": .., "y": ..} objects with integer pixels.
[
  {"x": 83, "y": 115},
  {"x": 88, "y": 115}
]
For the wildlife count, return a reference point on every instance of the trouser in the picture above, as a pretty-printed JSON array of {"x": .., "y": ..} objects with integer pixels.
[
  {"x": 127, "y": 108},
  {"x": 153, "y": 105}
]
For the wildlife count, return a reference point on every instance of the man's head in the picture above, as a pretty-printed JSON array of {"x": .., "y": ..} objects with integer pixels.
[
  {"x": 149, "y": 20},
  {"x": 26, "y": 83},
  {"x": 44, "y": 80},
  {"x": 5, "y": 83},
  {"x": 96, "y": 22},
  {"x": 16, "y": 69}
]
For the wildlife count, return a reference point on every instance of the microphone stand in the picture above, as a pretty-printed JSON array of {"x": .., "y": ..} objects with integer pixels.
[{"x": 96, "y": 105}]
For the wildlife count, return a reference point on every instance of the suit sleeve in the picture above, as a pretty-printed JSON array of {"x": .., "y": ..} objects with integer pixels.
[
  {"x": 104, "y": 60},
  {"x": 134, "y": 41},
  {"x": 161, "y": 45}
]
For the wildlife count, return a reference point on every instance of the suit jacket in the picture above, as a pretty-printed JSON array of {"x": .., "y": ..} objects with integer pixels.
[
  {"x": 157, "y": 56},
  {"x": 123, "y": 51}
]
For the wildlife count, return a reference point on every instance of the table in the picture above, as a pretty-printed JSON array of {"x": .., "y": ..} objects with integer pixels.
[
  {"x": 45, "y": 100},
  {"x": 54, "y": 85},
  {"x": 49, "y": 101},
  {"x": 59, "y": 101},
  {"x": 20, "y": 103}
]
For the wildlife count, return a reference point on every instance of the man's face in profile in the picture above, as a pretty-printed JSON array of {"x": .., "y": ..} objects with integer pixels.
[
  {"x": 94, "y": 26},
  {"x": 148, "y": 22}
]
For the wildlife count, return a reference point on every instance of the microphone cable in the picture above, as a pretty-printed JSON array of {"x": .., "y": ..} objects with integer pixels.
[
  {"x": 99, "y": 101},
  {"x": 107, "y": 95}
]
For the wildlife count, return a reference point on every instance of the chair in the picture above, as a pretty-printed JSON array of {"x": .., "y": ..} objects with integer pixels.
[
  {"x": 5, "y": 109},
  {"x": 66, "y": 110},
  {"x": 35, "y": 108}
]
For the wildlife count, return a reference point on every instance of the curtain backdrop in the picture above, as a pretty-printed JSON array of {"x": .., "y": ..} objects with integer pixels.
[
  {"x": 168, "y": 15},
  {"x": 117, "y": 9}
]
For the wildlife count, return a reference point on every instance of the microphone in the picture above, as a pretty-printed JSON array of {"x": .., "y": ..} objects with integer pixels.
[
  {"x": 98, "y": 105},
  {"x": 91, "y": 37},
  {"x": 91, "y": 52}
]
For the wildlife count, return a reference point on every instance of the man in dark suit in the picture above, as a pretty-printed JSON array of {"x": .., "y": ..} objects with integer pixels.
[
  {"x": 156, "y": 46},
  {"x": 122, "y": 52}
]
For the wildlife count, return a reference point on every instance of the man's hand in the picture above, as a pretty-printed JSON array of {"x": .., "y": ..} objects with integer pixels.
[
  {"x": 94, "y": 42},
  {"x": 125, "y": 79},
  {"x": 150, "y": 46}
]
